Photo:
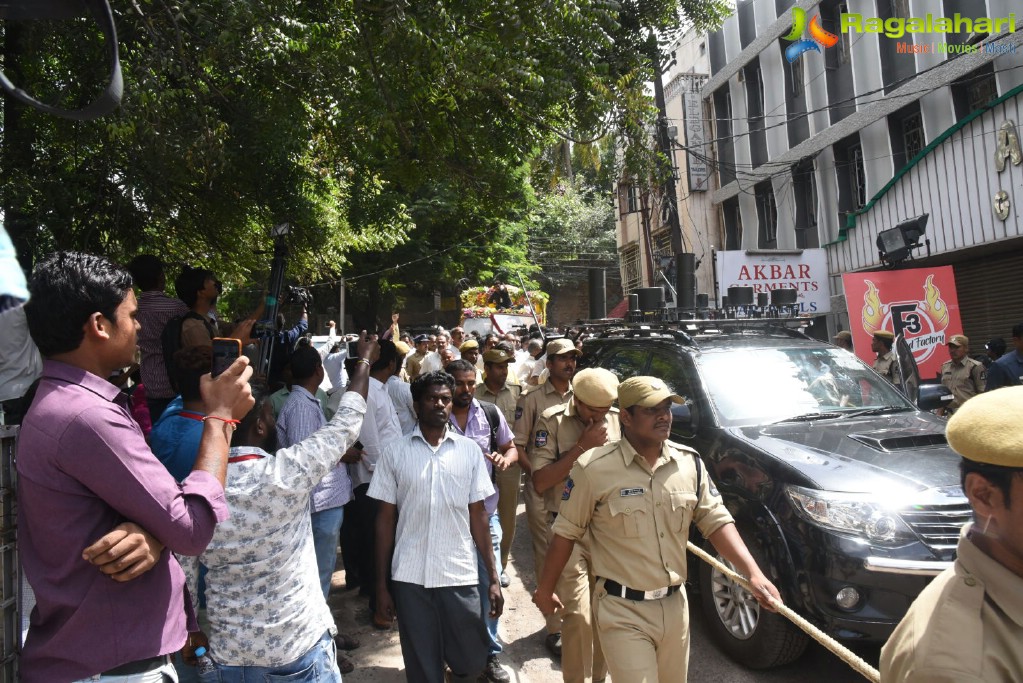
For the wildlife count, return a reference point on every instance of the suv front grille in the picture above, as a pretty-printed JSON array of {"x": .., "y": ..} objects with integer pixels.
[{"x": 938, "y": 526}]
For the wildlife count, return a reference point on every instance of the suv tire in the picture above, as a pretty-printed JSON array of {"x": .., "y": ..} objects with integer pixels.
[{"x": 749, "y": 635}]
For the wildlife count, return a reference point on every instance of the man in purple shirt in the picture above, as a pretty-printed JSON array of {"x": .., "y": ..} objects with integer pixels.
[
  {"x": 84, "y": 467},
  {"x": 472, "y": 419}
]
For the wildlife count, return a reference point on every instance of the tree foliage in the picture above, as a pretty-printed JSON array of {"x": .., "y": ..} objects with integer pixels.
[{"x": 386, "y": 132}]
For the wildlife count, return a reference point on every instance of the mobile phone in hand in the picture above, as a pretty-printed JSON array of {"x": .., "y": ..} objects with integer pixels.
[
  {"x": 225, "y": 352},
  {"x": 353, "y": 349}
]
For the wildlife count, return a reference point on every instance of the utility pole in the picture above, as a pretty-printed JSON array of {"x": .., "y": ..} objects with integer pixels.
[{"x": 664, "y": 146}]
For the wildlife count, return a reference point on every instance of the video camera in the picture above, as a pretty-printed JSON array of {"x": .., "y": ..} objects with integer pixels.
[{"x": 298, "y": 295}]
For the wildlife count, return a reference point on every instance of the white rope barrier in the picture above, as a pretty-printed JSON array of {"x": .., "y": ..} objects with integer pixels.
[{"x": 843, "y": 653}]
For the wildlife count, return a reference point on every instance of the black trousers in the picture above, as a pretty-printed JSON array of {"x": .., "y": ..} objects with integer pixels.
[
  {"x": 358, "y": 541},
  {"x": 438, "y": 626}
]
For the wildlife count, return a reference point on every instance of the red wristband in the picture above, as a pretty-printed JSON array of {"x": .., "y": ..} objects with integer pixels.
[{"x": 226, "y": 420}]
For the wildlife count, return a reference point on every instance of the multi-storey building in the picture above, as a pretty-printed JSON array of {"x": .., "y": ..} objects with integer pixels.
[
  {"x": 642, "y": 222},
  {"x": 846, "y": 141}
]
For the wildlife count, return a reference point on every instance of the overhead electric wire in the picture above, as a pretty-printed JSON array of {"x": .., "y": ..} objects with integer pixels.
[{"x": 854, "y": 98}]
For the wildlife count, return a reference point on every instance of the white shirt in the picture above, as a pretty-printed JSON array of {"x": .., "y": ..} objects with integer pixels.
[
  {"x": 455, "y": 352},
  {"x": 379, "y": 427},
  {"x": 20, "y": 362},
  {"x": 431, "y": 363},
  {"x": 401, "y": 396},
  {"x": 334, "y": 366},
  {"x": 432, "y": 489},
  {"x": 264, "y": 601}
]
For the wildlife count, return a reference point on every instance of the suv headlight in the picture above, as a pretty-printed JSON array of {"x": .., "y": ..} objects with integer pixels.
[{"x": 853, "y": 513}]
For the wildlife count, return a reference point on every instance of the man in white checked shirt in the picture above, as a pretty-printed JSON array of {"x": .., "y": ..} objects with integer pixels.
[
  {"x": 301, "y": 416},
  {"x": 431, "y": 523}
]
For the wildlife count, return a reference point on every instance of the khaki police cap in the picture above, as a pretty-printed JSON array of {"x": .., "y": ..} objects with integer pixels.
[
  {"x": 844, "y": 334},
  {"x": 884, "y": 334},
  {"x": 497, "y": 356},
  {"x": 644, "y": 392},
  {"x": 402, "y": 347},
  {"x": 958, "y": 340},
  {"x": 469, "y": 345},
  {"x": 561, "y": 346},
  {"x": 987, "y": 428},
  {"x": 596, "y": 387}
]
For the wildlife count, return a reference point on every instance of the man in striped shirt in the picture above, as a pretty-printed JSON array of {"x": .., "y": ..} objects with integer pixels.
[{"x": 431, "y": 524}]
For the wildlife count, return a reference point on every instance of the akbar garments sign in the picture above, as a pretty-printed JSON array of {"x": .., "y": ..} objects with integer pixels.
[
  {"x": 920, "y": 304},
  {"x": 806, "y": 272}
]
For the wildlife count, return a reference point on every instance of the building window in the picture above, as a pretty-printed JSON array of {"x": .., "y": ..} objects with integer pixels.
[
  {"x": 900, "y": 8},
  {"x": 858, "y": 176},
  {"x": 974, "y": 90},
  {"x": 703, "y": 49},
  {"x": 731, "y": 218},
  {"x": 796, "y": 74},
  {"x": 761, "y": 102},
  {"x": 981, "y": 91},
  {"x": 811, "y": 215},
  {"x": 725, "y": 118},
  {"x": 844, "y": 42},
  {"x": 767, "y": 215},
  {"x": 632, "y": 274},
  {"x": 628, "y": 198},
  {"x": 913, "y": 134}
]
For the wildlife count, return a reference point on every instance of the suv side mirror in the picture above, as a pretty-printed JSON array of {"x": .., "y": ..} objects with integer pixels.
[
  {"x": 681, "y": 415},
  {"x": 933, "y": 396}
]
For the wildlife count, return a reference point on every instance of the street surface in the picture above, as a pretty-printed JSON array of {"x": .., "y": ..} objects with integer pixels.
[{"x": 522, "y": 632}]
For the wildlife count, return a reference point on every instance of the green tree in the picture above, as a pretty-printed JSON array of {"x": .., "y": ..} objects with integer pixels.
[
  {"x": 572, "y": 229},
  {"x": 382, "y": 130}
]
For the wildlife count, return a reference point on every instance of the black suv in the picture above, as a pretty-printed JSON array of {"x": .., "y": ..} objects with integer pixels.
[{"x": 845, "y": 492}]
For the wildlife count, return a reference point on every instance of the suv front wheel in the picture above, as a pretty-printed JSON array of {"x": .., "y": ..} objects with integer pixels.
[{"x": 752, "y": 636}]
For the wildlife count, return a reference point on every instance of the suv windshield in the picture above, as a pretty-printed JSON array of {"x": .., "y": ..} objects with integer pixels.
[{"x": 757, "y": 386}]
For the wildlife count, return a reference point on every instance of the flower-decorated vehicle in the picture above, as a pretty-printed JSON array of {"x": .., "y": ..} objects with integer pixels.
[{"x": 502, "y": 308}]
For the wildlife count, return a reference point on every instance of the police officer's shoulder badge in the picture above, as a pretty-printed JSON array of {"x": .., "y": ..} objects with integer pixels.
[
  {"x": 567, "y": 492},
  {"x": 518, "y": 412},
  {"x": 540, "y": 439}
]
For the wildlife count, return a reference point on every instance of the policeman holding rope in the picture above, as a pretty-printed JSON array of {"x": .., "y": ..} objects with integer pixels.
[{"x": 637, "y": 498}]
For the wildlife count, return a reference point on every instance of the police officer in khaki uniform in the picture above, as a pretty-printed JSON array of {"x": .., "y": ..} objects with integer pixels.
[
  {"x": 885, "y": 364},
  {"x": 560, "y": 436},
  {"x": 962, "y": 375},
  {"x": 636, "y": 498},
  {"x": 967, "y": 625},
  {"x": 843, "y": 340},
  {"x": 498, "y": 389},
  {"x": 560, "y": 364},
  {"x": 414, "y": 363}
]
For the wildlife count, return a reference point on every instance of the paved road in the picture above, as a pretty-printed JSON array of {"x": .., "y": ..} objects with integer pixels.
[{"x": 379, "y": 658}]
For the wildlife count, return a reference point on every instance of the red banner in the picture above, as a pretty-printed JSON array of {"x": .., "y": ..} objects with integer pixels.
[{"x": 921, "y": 304}]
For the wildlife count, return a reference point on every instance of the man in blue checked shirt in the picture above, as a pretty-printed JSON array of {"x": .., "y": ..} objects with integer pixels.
[{"x": 472, "y": 419}]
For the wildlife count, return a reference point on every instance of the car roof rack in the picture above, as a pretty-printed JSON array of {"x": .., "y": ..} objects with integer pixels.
[{"x": 690, "y": 332}]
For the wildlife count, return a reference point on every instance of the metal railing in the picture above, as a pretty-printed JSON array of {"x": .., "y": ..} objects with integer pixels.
[{"x": 10, "y": 622}]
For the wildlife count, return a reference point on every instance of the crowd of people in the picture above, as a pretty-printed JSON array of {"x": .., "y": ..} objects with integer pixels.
[
  {"x": 197, "y": 539},
  {"x": 963, "y": 375}
]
